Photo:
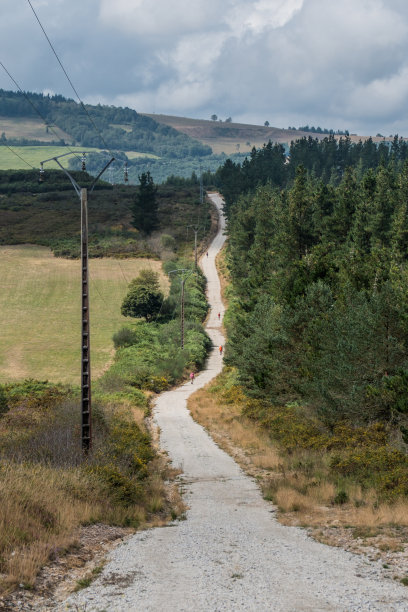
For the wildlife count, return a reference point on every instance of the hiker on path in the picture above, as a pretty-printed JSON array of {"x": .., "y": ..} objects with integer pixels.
[
  {"x": 192, "y": 375},
  {"x": 220, "y": 349}
]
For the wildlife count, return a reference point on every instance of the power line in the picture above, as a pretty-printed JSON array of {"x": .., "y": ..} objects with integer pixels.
[
  {"x": 69, "y": 80},
  {"x": 123, "y": 274},
  {"x": 36, "y": 109}
]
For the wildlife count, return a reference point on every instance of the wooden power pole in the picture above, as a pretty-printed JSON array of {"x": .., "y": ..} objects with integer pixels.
[{"x": 86, "y": 420}]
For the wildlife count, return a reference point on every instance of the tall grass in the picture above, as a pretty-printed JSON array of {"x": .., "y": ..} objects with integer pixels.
[
  {"x": 48, "y": 488},
  {"x": 349, "y": 477}
]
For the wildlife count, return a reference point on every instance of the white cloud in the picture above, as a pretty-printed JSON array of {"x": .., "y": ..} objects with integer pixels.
[{"x": 337, "y": 63}]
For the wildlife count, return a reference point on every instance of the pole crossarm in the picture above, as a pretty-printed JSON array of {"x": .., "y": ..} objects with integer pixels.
[{"x": 71, "y": 178}]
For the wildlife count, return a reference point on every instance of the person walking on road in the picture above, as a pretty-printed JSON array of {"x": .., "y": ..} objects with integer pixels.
[
  {"x": 192, "y": 376},
  {"x": 220, "y": 349}
]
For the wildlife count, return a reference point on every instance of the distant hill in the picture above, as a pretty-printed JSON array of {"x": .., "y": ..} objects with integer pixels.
[
  {"x": 229, "y": 137},
  {"x": 162, "y": 144},
  {"x": 122, "y": 128}
]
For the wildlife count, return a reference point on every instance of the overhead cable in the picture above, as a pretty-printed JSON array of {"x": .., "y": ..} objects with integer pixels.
[{"x": 69, "y": 80}]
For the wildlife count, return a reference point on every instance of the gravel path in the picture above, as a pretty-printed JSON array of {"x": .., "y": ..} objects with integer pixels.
[{"x": 231, "y": 553}]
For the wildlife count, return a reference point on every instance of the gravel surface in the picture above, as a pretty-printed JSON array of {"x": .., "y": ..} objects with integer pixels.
[{"x": 230, "y": 553}]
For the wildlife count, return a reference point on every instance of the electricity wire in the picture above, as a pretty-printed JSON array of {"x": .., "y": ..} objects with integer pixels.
[
  {"x": 69, "y": 80},
  {"x": 123, "y": 274},
  {"x": 19, "y": 156},
  {"x": 36, "y": 109}
]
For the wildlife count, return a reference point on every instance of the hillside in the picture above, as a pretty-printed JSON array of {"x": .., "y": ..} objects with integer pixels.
[
  {"x": 165, "y": 145},
  {"x": 119, "y": 128},
  {"x": 225, "y": 137},
  {"x": 230, "y": 137}
]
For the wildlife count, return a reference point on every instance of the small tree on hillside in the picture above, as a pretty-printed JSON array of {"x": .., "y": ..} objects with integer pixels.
[
  {"x": 145, "y": 206},
  {"x": 144, "y": 298}
]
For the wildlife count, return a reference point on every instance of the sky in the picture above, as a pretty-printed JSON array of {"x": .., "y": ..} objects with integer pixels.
[{"x": 339, "y": 64}]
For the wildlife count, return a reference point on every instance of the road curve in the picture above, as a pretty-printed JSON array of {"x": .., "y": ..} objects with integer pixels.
[{"x": 230, "y": 553}]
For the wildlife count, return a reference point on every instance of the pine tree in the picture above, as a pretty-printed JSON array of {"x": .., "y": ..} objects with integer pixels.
[{"x": 145, "y": 206}]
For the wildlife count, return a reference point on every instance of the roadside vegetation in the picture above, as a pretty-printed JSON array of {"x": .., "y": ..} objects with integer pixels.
[
  {"x": 49, "y": 489},
  {"x": 314, "y": 396}
]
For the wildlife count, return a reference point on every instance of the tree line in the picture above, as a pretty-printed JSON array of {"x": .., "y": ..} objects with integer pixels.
[
  {"x": 326, "y": 159},
  {"x": 319, "y": 312}
]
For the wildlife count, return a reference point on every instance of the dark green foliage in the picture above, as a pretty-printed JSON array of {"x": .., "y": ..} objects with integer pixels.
[
  {"x": 319, "y": 311},
  {"x": 3, "y": 400},
  {"x": 52, "y": 217},
  {"x": 124, "y": 337},
  {"x": 144, "y": 298},
  {"x": 146, "y": 205},
  {"x": 341, "y": 498}
]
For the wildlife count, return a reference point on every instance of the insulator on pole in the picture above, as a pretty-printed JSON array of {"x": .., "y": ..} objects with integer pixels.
[
  {"x": 41, "y": 177},
  {"x": 126, "y": 173},
  {"x": 83, "y": 162}
]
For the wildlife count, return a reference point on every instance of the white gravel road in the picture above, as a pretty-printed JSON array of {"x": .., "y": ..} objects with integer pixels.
[{"x": 230, "y": 553}]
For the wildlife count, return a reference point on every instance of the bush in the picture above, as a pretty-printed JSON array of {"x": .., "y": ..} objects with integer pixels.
[
  {"x": 124, "y": 337},
  {"x": 3, "y": 401}
]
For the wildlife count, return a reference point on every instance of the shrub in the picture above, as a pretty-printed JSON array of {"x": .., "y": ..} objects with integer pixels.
[
  {"x": 124, "y": 337},
  {"x": 341, "y": 498},
  {"x": 3, "y": 401}
]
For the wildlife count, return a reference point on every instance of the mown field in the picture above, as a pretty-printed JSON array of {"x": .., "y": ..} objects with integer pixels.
[
  {"x": 40, "y": 312},
  {"x": 30, "y": 128},
  {"x": 35, "y": 155}
]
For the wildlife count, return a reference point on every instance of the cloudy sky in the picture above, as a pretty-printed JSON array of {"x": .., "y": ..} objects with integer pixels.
[{"x": 340, "y": 64}]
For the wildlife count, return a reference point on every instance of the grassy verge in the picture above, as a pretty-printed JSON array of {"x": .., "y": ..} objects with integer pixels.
[
  {"x": 349, "y": 487},
  {"x": 48, "y": 489},
  {"x": 149, "y": 355}
]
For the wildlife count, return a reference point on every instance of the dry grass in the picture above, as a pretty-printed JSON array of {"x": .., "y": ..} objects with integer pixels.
[
  {"x": 40, "y": 509},
  {"x": 44, "y": 505},
  {"x": 299, "y": 483},
  {"x": 40, "y": 312}
]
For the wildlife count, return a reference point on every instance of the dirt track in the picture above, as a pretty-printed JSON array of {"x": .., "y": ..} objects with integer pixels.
[{"x": 230, "y": 553}]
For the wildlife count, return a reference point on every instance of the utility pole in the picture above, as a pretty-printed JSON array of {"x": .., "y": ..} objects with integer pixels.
[
  {"x": 86, "y": 413},
  {"x": 185, "y": 273},
  {"x": 201, "y": 187},
  {"x": 195, "y": 229}
]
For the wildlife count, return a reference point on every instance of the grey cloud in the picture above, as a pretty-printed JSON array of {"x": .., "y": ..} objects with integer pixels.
[{"x": 337, "y": 64}]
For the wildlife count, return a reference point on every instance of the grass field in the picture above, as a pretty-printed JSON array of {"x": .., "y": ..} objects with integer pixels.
[
  {"x": 40, "y": 312},
  {"x": 35, "y": 155},
  {"x": 30, "y": 128}
]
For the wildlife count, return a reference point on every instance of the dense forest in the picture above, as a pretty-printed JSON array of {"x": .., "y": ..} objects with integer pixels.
[
  {"x": 122, "y": 128},
  {"x": 318, "y": 260},
  {"x": 326, "y": 159}
]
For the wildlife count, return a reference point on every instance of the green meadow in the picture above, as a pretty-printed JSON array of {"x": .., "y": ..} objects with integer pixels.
[
  {"x": 35, "y": 155},
  {"x": 40, "y": 312}
]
